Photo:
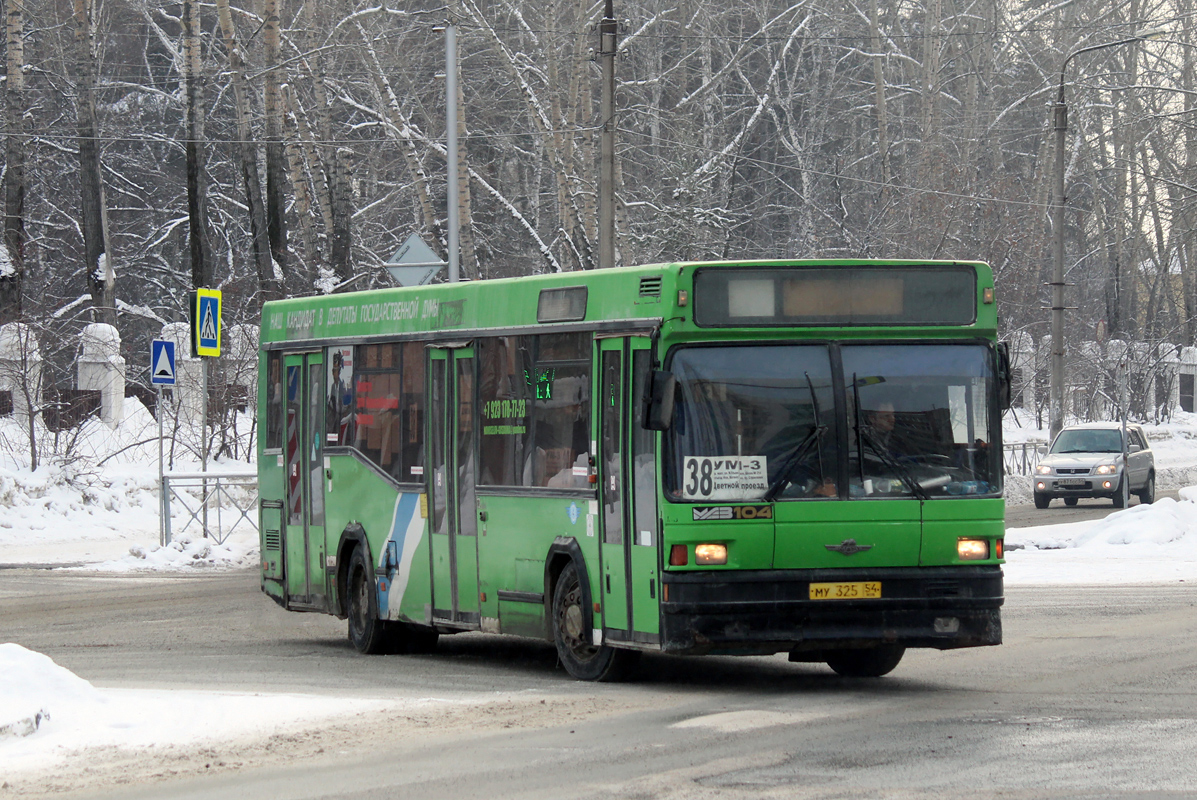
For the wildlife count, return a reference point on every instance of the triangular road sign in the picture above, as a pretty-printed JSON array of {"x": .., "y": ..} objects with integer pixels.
[{"x": 162, "y": 362}]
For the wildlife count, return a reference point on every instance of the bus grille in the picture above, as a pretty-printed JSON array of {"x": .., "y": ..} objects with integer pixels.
[{"x": 273, "y": 540}]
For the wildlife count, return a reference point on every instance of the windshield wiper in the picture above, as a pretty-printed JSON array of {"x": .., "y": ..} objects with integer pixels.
[{"x": 782, "y": 479}]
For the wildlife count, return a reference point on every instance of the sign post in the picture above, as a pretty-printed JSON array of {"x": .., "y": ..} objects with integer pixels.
[
  {"x": 205, "y": 344},
  {"x": 162, "y": 373}
]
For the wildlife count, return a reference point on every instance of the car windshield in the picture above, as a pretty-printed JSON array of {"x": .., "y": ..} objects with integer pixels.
[
  {"x": 1088, "y": 441},
  {"x": 764, "y": 422}
]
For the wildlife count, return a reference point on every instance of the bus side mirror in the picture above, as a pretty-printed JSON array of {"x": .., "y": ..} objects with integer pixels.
[
  {"x": 1004, "y": 388},
  {"x": 658, "y": 412}
]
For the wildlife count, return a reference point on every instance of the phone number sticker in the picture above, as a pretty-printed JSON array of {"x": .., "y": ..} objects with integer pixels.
[{"x": 724, "y": 478}]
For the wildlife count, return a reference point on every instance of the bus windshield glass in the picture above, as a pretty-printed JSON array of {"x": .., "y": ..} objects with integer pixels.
[{"x": 763, "y": 422}]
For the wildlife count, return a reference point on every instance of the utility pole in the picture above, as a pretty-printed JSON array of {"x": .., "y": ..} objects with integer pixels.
[
  {"x": 454, "y": 224},
  {"x": 606, "y": 232},
  {"x": 1060, "y": 128}
]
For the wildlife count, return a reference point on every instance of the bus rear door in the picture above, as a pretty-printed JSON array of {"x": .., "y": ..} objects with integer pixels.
[
  {"x": 303, "y": 449},
  {"x": 452, "y": 507}
]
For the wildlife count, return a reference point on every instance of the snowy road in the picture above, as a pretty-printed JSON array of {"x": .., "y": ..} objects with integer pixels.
[{"x": 1097, "y": 678}]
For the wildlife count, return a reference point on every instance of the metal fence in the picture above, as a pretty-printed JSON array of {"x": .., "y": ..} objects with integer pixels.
[
  {"x": 1020, "y": 459},
  {"x": 216, "y": 502}
]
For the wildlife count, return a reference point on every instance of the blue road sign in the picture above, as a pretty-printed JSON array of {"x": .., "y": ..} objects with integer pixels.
[
  {"x": 162, "y": 362},
  {"x": 205, "y": 322}
]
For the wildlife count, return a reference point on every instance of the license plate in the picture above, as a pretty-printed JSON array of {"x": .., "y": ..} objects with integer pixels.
[
  {"x": 1071, "y": 482},
  {"x": 845, "y": 591}
]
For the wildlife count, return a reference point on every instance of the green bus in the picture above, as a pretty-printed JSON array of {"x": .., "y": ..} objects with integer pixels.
[{"x": 713, "y": 457}]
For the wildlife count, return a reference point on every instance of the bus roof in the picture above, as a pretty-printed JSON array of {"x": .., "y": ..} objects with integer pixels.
[{"x": 619, "y": 298}]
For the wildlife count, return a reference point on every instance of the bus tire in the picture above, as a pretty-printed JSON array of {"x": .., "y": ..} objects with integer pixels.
[
  {"x": 367, "y": 633},
  {"x": 872, "y": 662},
  {"x": 581, "y": 659}
]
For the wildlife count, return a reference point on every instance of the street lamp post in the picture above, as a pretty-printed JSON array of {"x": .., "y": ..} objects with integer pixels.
[{"x": 1060, "y": 127}]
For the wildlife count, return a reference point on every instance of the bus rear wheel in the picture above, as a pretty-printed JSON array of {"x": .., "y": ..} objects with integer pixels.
[
  {"x": 581, "y": 659},
  {"x": 872, "y": 662},
  {"x": 367, "y": 633}
]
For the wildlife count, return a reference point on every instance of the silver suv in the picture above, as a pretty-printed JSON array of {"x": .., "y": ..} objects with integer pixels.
[{"x": 1086, "y": 461}]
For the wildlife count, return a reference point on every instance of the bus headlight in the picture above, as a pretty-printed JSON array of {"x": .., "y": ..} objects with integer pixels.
[
  {"x": 972, "y": 549},
  {"x": 710, "y": 554}
]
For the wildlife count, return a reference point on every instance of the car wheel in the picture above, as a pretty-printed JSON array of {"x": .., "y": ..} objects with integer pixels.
[
  {"x": 1148, "y": 494},
  {"x": 582, "y": 659},
  {"x": 1070, "y": 501},
  {"x": 872, "y": 662},
  {"x": 1042, "y": 500}
]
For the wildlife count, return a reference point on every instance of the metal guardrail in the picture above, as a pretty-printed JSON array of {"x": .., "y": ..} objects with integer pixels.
[
  {"x": 1020, "y": 459},
  {"x": 224, "y": 493}
]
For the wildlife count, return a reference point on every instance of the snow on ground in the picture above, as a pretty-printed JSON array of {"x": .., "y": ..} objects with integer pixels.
[{"x": 48, "y": 715}]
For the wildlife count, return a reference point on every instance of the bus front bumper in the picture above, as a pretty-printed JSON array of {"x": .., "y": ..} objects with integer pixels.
[{"x": 770, "y": 611}]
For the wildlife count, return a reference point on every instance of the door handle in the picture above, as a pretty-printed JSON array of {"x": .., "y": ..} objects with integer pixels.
[{"x": 482, "y": 516}]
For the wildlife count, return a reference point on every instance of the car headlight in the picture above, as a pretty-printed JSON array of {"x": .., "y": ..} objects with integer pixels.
[
  {"x": 1106, "y": 469},
  {"x": 1043, "y": 469}
]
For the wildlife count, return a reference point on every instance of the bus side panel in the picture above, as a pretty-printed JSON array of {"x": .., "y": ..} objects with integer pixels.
[
  {"x": 947, "y": 520},
  {"x": 512, "y": 543},
  {"x": 270, "y": 491},
  {"x": 356, "y": 494}
]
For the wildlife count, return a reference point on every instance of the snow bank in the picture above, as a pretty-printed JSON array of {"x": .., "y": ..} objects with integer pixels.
[
  {"x": 1140, "y": 544},
  {"x": 187, "y": 553},
  {"x": 33, "y": 688},
  {"x": 51, "y": 714}
]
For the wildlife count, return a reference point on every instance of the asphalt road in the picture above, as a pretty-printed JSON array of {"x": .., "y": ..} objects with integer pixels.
[
  {"x": 1094, "y": 694},
  {"x": 1027, "y": 516}
]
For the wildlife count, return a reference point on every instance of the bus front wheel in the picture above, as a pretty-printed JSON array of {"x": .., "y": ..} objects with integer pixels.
[
  {"x": 367, "y": 632},
  {"x": 872, "y": 662},
  {"x": 581, "y": 659}
]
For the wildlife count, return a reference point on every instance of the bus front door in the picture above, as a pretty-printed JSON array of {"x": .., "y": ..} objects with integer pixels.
[
  {"x": 304, "y": 453},
  {"x": 452, "y": 507},
  {"x": 628, "y": 495}
]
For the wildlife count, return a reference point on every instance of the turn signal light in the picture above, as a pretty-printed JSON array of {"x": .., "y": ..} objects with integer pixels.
[
  {"x": 999, "y": 547},
  {"x": 678, "y": 557}
]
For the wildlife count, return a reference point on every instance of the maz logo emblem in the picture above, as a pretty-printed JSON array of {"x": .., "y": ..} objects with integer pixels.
[{"x": 849, "y": 547}]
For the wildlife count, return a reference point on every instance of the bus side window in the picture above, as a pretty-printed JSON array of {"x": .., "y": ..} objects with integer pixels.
[
  {"x": 534, "y": 400},
  {"x": 389, "y": 407},
  {"x": 274, "y": 400},
  {"x": 504, "y": 405}
]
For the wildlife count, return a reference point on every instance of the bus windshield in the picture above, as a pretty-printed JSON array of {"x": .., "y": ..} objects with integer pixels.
[{"x": 763, "y": 423}]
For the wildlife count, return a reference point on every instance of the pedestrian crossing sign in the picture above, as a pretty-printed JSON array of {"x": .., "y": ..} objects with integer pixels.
[
  {"x": 205, "y": 322},
  {"x": 162, "y": 362}
]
